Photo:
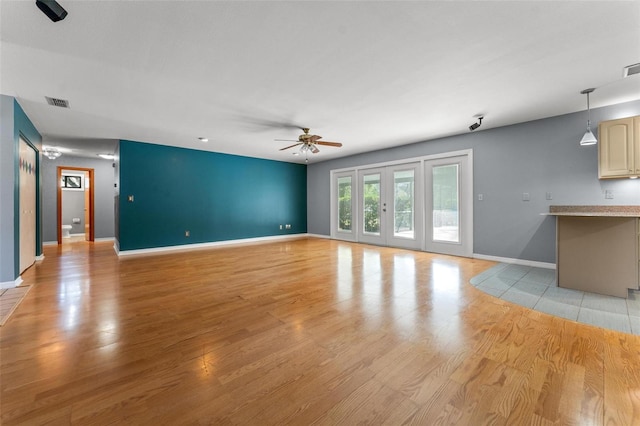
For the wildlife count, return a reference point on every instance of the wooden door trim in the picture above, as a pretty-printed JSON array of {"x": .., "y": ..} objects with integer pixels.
[{"x": 91, "y": 200}]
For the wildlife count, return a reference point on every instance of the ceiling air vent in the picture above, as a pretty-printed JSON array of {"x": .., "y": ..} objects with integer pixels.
[
  {"x": 631, "y": 70},
  {"x": 63, "y": 103}
]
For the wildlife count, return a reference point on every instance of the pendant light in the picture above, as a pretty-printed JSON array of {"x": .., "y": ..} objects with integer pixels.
[{"x": 588, "y": 138}]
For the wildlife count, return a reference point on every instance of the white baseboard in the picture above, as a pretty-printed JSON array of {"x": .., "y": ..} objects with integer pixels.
[
  {"x": 40, "y": 258},
  {"x": 207, "y": 245},
  {"x": 50, "y": 243},
  {"x": 509, "y": 260},
  {"x": 99, "y": 240},
  {"x": 327, "y": 237},
  {"x": 11, "y": 284}
]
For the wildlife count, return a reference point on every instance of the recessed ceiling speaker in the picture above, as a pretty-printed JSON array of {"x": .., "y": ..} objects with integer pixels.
[
  {"x": 476, "y": 125},
  {"x": 52, "y": 9}
]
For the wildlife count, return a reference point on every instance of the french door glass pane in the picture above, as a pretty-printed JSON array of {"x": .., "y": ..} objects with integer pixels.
[
  {"x": 371, "y": 194},
  {"x": 446, "y": 216},
  {"x": 403, "y": 202},
  {"x": 344, "y": 204}
]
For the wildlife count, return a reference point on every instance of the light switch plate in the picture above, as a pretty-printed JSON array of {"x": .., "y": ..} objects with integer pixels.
[
  {"x": 526, "y": 196},
  {"x": 608, "y": 194}
]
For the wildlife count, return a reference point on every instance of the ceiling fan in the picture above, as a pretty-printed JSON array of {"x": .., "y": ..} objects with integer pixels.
[{"x": 308, "y": 143}]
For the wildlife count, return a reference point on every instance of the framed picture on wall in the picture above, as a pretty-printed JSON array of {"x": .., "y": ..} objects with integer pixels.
[{"x": 71, "y": 182}]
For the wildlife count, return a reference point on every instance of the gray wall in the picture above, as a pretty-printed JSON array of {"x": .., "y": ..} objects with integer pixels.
[
  {"x": 103, "y": 192},
  {"x": 535, "y": 157}
]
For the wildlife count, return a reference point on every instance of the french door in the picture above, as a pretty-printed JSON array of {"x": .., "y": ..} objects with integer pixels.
[
  {"x": 423, "y": 204},
  {"x": 342, "y": 215},
  {"x": 390, "y": 206},
  {"x": 448, "y": 201}
]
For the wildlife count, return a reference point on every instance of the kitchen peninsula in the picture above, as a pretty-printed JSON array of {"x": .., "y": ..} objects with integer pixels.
[{"x": 598, "y": 248}]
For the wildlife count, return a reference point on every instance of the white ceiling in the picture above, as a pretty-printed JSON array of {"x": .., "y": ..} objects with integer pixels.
[{"x": 368, "y": 74}]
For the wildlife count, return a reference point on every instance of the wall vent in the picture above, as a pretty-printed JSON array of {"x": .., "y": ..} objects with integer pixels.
[
  {"x": 62, "y": 103},
  {"x": 631, "y": 70}
]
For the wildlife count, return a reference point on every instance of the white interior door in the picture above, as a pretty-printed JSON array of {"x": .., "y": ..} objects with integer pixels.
[
  {"x": 27, "y": 218},
  {"x": 448, "y": 201}
]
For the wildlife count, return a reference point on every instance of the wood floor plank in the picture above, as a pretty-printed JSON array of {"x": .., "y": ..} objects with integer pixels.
[{"x": 307, "y": 331}]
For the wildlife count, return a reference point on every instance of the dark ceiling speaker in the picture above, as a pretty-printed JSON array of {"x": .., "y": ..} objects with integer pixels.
[{"x": 52, "y": 9}]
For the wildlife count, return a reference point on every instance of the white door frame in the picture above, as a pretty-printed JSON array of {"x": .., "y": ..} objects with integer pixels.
[{"x": 466, "y": 194}]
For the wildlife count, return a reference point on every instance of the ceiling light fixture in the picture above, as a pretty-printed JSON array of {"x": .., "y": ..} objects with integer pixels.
[
  {"x": 588, "y": 138},
  {"x": 203, "y": 139},
  {"x": 107, "y": 156},
  {"x": 51, "y": 153},
  {"x": 476, "y": 125}
]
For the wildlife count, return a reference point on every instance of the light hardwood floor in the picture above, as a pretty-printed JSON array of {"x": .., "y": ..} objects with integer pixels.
[{"x": 302, "y": 332}]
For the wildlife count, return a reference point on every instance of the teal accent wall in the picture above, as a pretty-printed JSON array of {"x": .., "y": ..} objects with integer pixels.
[
  {"x": 216, "y": 197},
  {"x": 13, "y": 124}
]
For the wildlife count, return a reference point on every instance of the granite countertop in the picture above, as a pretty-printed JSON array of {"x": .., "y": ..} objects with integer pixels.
[{"x": 606, "y": 211}]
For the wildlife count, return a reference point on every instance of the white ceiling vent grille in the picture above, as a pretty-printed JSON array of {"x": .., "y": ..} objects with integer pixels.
[
  {"x": 62, "y": 103},
  {"x": 631, "y": 70}
]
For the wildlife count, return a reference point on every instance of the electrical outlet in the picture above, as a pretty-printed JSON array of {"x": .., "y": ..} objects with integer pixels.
[
  {"x": 187, "y": 233},
  {"x": 526, "y": 196},
  {"x": 608, "y": 194},
  {"x": 280, "y": 226},
  {"x": 480, "y": 197},
  {"x": 549, "y": 196}
]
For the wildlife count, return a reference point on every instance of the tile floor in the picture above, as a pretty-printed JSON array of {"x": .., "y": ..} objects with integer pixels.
[{"x": 536, "y": 288}]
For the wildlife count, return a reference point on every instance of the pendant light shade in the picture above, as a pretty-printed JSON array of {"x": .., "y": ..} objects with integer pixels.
[{"x": 588, "y": 138}]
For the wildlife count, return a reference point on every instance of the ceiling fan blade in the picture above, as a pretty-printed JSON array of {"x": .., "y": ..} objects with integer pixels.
[
  {"x": 314, "y": 149},
  {"x": 336, "y": 144},
  {"x": 286, "y": 140},
  {"x": 314, "y": 138},
  {"x": 295, "y": 144}
]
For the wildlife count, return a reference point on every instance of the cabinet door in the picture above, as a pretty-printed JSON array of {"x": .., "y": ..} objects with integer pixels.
[
  {"x": 636, "y": 145},
  {"x": 616, "y": 156}
]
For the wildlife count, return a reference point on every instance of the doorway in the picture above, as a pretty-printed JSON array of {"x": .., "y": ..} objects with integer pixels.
[
  {"x": 27, "y": 217},
  {"x": 77, "y": 186},
  {"x": 421, "y": 203},
  {"x": 390, "y": 206}
]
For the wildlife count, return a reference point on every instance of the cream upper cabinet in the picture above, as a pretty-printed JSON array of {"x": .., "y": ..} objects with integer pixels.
[{"x": 619, "y": 148}]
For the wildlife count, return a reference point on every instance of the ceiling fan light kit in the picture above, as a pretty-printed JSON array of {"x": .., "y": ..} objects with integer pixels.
[{"x": 308, "y": 143}]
